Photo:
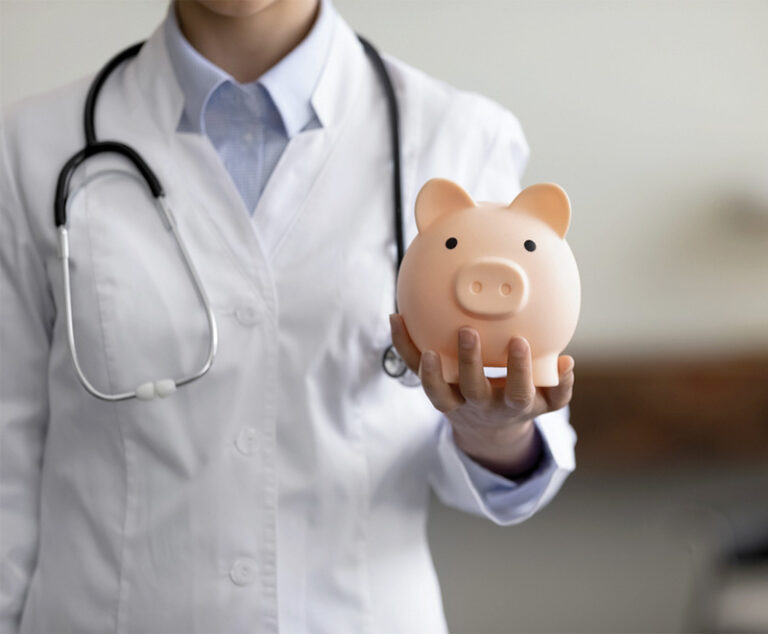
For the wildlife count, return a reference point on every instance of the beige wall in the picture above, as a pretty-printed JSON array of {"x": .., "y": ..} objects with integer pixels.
[{"x": 651, "y": 114}]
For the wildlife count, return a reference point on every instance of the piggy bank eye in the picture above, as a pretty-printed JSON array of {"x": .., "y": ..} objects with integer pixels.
[
  {"x": 451, "y": 243},
  {"x": 529, "y": 245}
]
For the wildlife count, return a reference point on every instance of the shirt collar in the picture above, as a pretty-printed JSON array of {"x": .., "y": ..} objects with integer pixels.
[{"x": 290, "y": 83}]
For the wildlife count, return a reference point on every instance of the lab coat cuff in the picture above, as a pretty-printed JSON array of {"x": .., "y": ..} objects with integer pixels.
[{"x": 508, "y": 501}]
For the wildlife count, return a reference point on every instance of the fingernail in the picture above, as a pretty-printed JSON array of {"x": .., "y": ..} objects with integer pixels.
[
  {"x": 517, "y": 347},
  {"x": 466, "y": 338}
]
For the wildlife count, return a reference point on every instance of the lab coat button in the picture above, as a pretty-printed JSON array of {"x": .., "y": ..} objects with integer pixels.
[
  {"x": 246, "y": 440},
  {"x": 247, "y": 315},
  {"x": 243, "y": 572}
]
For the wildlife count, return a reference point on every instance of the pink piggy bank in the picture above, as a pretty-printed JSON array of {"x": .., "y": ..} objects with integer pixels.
[{"x": 504, "y": 270}]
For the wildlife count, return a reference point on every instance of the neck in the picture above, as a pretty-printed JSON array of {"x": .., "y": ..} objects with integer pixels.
[{"x": 246, "y": 46}]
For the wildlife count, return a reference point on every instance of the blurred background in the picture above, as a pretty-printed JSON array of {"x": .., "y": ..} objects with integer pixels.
[{"x": 654, "y": 117}]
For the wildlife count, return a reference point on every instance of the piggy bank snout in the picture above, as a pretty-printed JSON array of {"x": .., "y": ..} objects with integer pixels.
[{"x": 492, "y": 287}]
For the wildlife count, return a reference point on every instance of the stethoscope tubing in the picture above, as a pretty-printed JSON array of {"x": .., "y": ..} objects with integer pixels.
[
  {"x": 394, "y": 135},
  {"x": 100, "y": 147},
  {"x": 391, "y": 361},
  {"x": 150, "y": 389},
  {"x": 89, "y": 112}
]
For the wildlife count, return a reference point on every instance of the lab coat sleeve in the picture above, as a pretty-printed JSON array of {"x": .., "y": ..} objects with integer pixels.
[
  {"x": 500, "y": 169},
  {"x": 26, "y": 317},
  {"x": 462, "y": 483}
]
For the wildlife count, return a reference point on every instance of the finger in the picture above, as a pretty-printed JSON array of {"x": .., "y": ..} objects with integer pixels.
[
  {"x": 442, "y": 395},
  {"x": 565, "y": 364},
  {"x": 519, "y": 391},
  {"x": 560, "y": 395},
  {"x": 403, "y": 343},
  {"x": 473, "y": 384}
]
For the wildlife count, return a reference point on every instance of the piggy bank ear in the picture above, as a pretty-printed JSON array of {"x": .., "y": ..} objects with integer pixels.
[
  {"x": 438, "y": 197},
  {"x": 548, "y": 202}
]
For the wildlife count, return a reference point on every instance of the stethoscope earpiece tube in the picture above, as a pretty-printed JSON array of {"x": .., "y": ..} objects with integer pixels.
[
  {"x": 394, "y": 130},
  {"x": 391, "y": 360},
  {"x": 89, "y": 112},
  {"x": 100, "y": 147}
]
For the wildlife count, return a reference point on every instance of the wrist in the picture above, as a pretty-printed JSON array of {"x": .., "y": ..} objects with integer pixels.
[{"x": 509, "y": 451}]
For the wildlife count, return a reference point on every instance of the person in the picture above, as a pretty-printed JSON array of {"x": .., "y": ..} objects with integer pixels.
[{"x": 287, "y": 489}]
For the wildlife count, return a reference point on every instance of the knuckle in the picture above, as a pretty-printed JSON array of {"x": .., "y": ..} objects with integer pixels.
[
  {"x": 561, "y": 400},
  {"x": 519, "y": 361},
  {"x": 428, "y": 379},
  {"x": 438, "y": 404},
  {"x": 519, "y": 402},
  {"x": 467, "y": 359},
  {"x": 443, "y": 408},
  {"x": 470, "y": 391},
  {"x": 428, "y": 386}
]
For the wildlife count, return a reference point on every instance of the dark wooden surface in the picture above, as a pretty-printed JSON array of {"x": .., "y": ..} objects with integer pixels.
[{"x": 640, "y": 413}]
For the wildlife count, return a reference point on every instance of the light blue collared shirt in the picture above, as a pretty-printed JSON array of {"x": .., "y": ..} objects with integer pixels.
[{"x": 250, "y": 124}]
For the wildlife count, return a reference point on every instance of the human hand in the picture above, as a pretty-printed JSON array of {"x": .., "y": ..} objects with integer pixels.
[{"x": 492, "y": 418}]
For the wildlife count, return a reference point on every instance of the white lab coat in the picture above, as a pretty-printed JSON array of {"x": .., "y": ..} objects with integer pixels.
[{"x": 288, "y": 488}]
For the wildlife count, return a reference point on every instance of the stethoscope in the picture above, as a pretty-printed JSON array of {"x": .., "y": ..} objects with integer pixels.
[{"x": 391, "y": 361}]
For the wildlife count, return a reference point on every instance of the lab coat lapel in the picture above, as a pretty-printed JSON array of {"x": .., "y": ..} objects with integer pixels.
[
  {"x": 288, "y": 190},
  {"x": 200, "y": 179},
  {"x": 196, "y": 179}
]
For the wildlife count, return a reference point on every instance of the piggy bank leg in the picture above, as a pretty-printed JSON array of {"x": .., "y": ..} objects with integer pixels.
[{"x": 545, "y": 371}]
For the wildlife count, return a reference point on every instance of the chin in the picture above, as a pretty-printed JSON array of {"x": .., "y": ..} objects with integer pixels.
[{"x": 235, "y": 8}]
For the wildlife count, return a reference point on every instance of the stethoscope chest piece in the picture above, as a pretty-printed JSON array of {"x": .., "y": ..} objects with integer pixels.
[{"x": 395, "y": 366}]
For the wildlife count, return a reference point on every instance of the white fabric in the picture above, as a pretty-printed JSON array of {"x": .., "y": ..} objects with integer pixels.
[{"x": 288, "y": 488}]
